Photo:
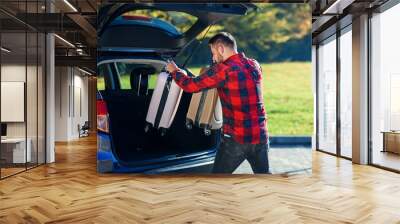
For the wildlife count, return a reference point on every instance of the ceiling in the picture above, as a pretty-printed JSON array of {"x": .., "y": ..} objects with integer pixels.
[
  {"x": 72, "y": 20},
  {"x": 330, "y": 15}
]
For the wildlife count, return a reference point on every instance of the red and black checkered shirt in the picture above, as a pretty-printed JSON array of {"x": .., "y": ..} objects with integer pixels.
[{"x": 239, "y": 83}]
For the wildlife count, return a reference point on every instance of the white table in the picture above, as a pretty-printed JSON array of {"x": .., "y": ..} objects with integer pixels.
[{"x": 19, "y": 154}]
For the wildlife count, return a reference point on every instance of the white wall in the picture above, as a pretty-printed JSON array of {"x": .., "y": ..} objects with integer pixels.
[
  {"x": 61, "y": 103},
  {"x": 13, "y": 72},
  {"x": 71, "y": 93},
  {"x": 33, "y": 126},
  {"x": 80, "y": 100},
  {"x": 9, "y": 73}
]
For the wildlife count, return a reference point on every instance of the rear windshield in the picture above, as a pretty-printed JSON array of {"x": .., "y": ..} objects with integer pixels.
[
  {"x": 182, "y": 21},
  {"x": 124, "y": 75}
]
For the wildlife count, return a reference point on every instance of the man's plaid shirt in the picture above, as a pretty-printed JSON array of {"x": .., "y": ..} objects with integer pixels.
[{"x": 239, "y": 83}]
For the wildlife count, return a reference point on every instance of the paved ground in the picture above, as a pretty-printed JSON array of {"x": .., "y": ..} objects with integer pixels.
[{"x": 284, "y": 160}]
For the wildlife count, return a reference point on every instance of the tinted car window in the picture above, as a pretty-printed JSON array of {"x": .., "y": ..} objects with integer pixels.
[
  {"x": 124, "y": 71},
  {"x": 124, "y": 74},
  {"x": 102, "y": 70}
]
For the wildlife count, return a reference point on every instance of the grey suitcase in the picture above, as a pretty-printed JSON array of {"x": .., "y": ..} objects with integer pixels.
[{"x": 164, "y": 103}]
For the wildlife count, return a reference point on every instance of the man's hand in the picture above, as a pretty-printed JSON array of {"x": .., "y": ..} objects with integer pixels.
[
  {"x": 171, "y": 66},
  {"x": 204, "y": 69}
]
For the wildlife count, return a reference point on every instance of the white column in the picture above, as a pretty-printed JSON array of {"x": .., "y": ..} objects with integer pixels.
[
  {"x": 360, "y": 90},
  {"x": 50, "y": 93}
]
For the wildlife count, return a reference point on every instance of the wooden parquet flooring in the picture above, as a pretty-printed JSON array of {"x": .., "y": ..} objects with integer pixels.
[{"x": 70, "y": 191}]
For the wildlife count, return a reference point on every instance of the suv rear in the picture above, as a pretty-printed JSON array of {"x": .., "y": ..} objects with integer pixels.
[{"x": 135, "y": 45}]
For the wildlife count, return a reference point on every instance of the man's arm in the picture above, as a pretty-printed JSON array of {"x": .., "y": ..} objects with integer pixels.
[{"x": 212, "y": 78}]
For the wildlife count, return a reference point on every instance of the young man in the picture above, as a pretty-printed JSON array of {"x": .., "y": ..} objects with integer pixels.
[{"x": 238, "y": 80}]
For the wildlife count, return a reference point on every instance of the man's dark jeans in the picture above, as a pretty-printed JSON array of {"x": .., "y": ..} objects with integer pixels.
[{"x": 231, "y": 154}]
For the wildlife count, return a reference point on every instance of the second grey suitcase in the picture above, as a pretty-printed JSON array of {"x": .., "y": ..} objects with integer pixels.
[{"x": 205, "y": 110}]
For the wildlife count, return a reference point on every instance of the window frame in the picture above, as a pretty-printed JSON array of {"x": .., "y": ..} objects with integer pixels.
[{"x": 326, "y": 38}]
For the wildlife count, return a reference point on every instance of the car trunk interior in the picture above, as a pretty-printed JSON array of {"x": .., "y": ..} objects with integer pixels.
[{"x": 127, "y": 114}]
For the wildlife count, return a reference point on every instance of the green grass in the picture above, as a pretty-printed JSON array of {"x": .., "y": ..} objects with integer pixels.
[
  {"x": 125, "y": 82},
  {"x": 288, "y": 97},
  {"x": 100, "y": 83}
]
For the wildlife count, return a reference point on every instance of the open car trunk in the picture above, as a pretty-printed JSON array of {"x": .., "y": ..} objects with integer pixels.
[
  {"x": 132, "y": 145},
  {"x": 143, "y": 36},
  {"x": 137, "y": 32}
]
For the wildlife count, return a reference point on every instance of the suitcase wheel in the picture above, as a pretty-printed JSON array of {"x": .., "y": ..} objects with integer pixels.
[
  {"x": 189, "y": 125},
  {"x": 207, "y": 131},
  {"x": 163, "y": 131},
  {"x": 147, "y": 128}
]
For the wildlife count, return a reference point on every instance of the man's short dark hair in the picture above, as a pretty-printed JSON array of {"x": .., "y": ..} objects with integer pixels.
[{"x": 224, "y": 38}]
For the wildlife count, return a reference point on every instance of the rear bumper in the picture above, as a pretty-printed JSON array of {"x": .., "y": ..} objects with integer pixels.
[
  {"x": 194, "y": 165},
  {"x": 198, "y": 167},
  {"x": 107, "y": 162}
]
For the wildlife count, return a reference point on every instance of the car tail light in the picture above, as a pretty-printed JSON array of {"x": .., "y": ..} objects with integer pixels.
[{"x": 102, "y": 116}]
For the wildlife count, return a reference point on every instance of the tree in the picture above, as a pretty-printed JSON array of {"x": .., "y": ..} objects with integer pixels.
[
  {"x": 270, "y": 33},
  {"x": 262, "y": 33}
]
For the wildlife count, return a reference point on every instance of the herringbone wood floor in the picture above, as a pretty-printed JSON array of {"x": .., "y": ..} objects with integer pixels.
[{"x": 70, "y": 191}]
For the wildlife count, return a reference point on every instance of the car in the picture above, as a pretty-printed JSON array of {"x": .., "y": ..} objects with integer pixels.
[{"x": 132, "y": 45}]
